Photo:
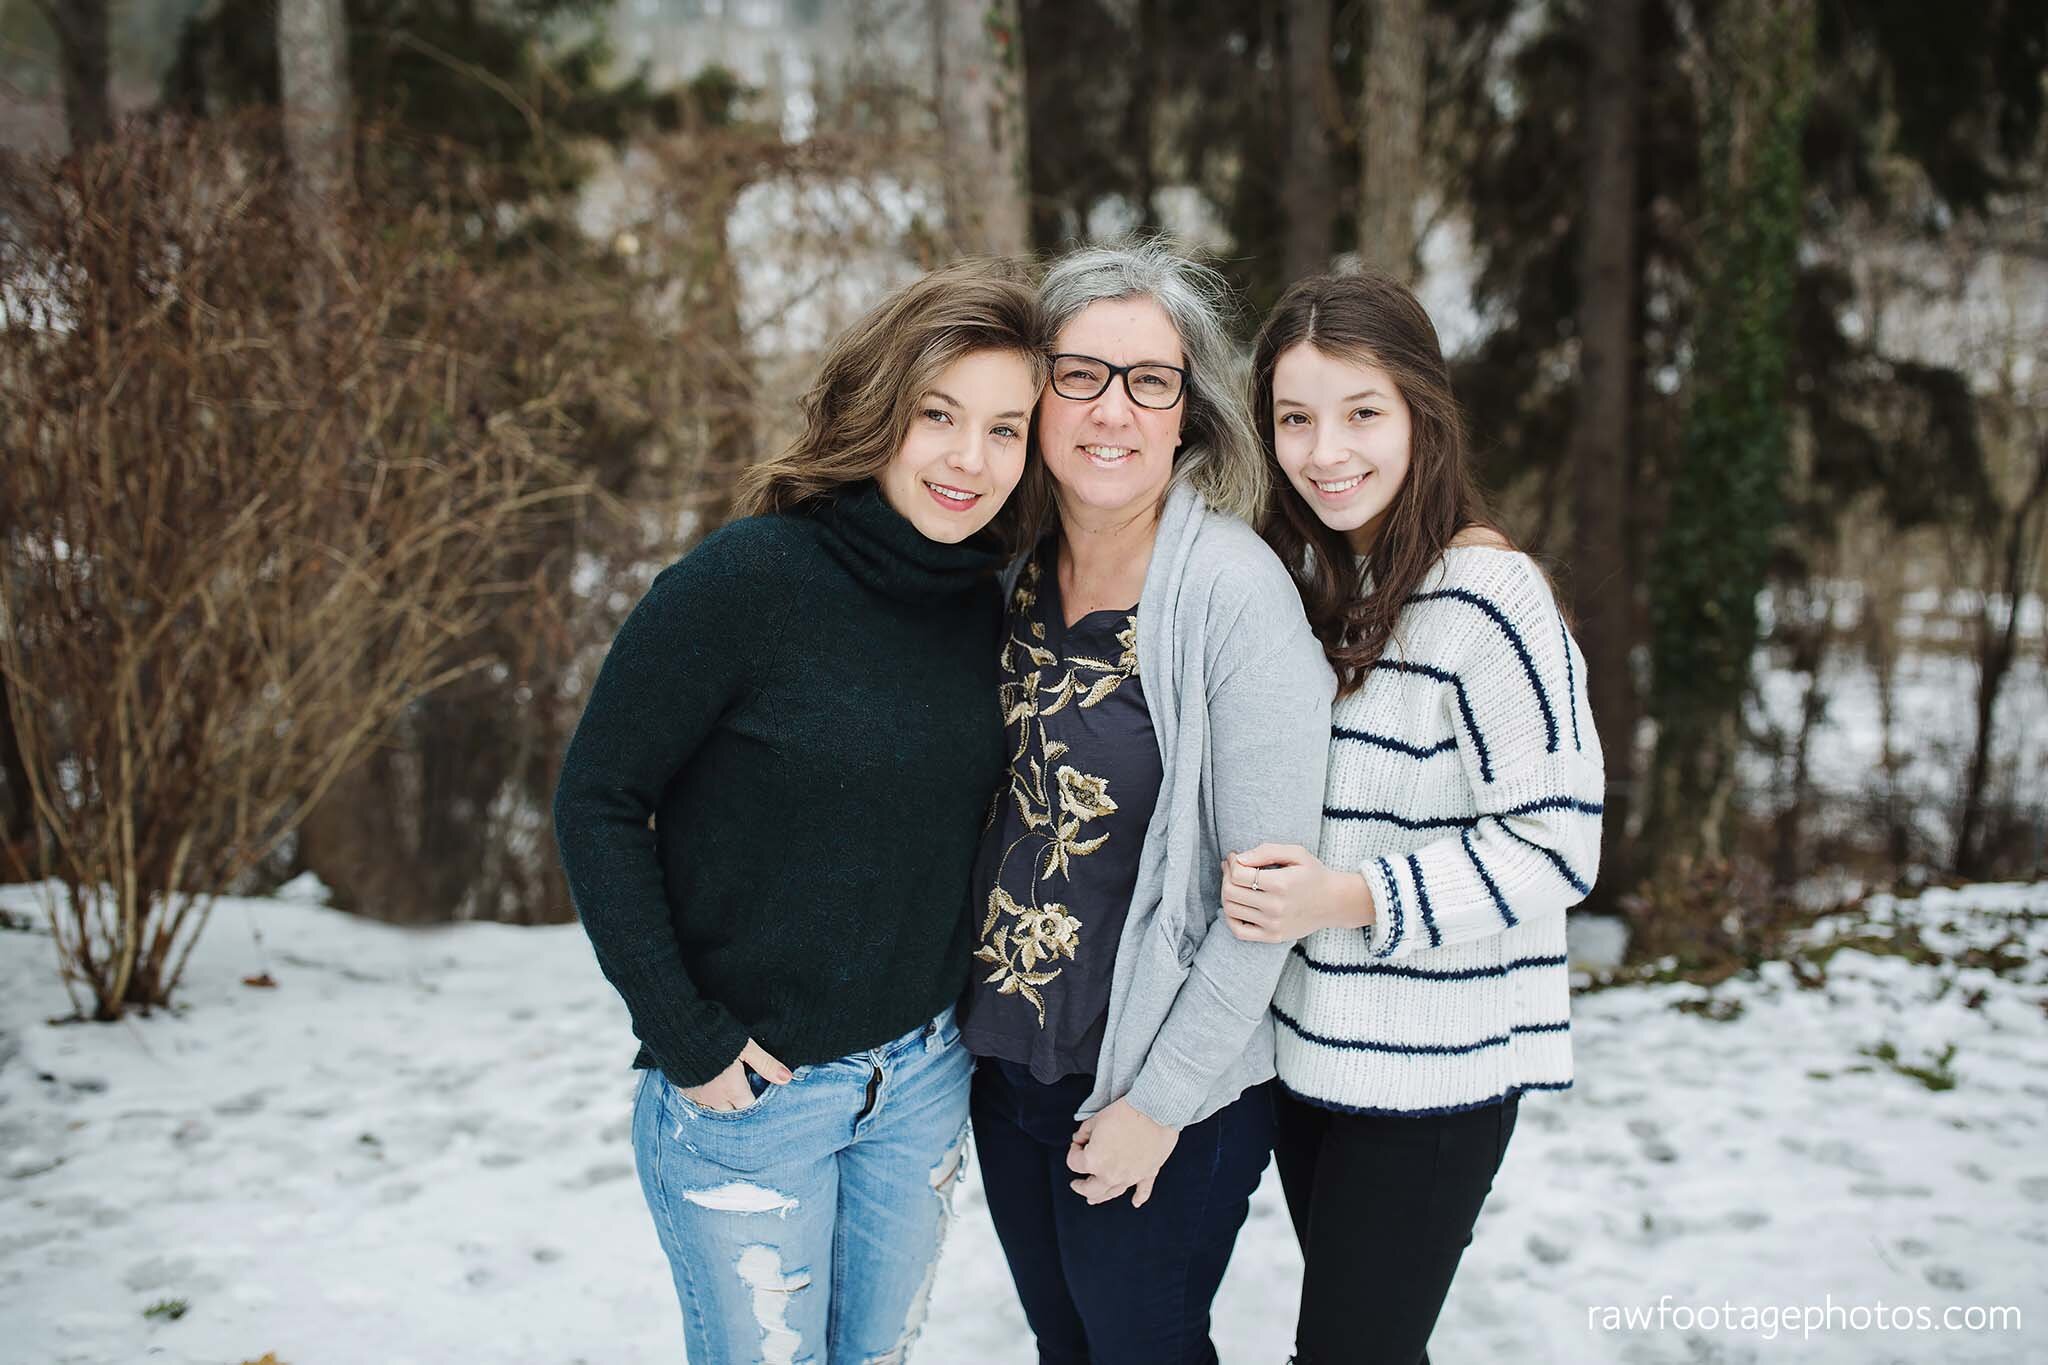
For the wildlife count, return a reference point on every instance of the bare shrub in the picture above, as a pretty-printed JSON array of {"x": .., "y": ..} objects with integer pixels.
[
  {"x": 239, "y": 540},
  {"x": 1706, "y": 919}
]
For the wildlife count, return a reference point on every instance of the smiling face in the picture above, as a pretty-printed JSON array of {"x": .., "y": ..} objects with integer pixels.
[
  {"x": 1341, "y": 434},
  {"x": 966, "y": 446},
  {"x": 1107, "y": 455}
]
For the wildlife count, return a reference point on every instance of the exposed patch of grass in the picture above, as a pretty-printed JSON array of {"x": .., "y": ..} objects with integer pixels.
[
  {"x": 2007, "y": 957},
  {"x": 167, "y": 1310},
  {"x": 1936, "y": 1073},
  {"x": 1720, "y": 1009}
]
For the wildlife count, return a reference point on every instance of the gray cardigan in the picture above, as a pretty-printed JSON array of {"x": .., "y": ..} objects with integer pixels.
[{"x": 1240, "y": 699}]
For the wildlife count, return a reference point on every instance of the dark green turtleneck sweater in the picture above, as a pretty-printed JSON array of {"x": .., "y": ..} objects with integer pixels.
[{"x": 806, "y": 705}]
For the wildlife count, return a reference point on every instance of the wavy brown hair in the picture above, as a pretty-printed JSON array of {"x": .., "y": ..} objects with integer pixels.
[
  {"x": 859, "y": 409},
  {"x": 1369, "y": 319}
]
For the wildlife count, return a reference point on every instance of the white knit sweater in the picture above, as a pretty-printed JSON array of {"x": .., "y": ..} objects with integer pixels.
[{"x": 1465, "y": 782}]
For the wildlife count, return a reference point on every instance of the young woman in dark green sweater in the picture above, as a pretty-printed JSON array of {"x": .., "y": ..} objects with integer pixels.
[{"x": 769, "y": 815}]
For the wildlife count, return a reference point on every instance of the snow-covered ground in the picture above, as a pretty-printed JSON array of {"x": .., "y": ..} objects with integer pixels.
[{"x": 414, "y": 1149}]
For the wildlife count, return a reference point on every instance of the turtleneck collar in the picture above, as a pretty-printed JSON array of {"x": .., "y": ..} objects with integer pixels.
[{"x": 881, "y": 548}]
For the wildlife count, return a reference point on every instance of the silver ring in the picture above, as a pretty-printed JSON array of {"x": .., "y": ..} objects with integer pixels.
[{"x": 1255, "y": 877}]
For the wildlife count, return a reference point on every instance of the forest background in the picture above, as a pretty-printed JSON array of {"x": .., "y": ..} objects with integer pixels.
[{"x": 361, "y": 360}]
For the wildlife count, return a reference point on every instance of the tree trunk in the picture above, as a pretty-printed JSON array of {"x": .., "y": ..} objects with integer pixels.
[
  {"x": 1138, "y": 113},
  {"x": 978, "y": 47},
  {"x": 312, "y": 64},
  {"x": 1390, "y": 136},
  {"x": 1308, "y": 193},
  {"x": 18, "y": 854},
  {"x": 84, "y": 55},
  {"x": 1602, "y": 459},
  {"x": 1997, "y": 647},
  {"x": 1808, "y": 634}
]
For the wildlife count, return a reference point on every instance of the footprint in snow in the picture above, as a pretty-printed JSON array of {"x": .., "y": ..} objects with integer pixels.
[
  {"x": 1946, "y": 1277},
  {"x": 2035, "y": 1188},
  {"x": 1654, "y": 1147},
  {"x": 1833, "y": 1152},
  {"x": 1587, "y": 1156},
  {"x": 168, "y": 1272},
  {"x": 601, "y": 1174}
]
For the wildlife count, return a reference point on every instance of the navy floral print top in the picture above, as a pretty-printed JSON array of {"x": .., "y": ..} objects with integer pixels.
[{"x": 1060, "y": 857}]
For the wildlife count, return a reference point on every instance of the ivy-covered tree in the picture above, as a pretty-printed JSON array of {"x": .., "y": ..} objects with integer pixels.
[{"x": 1726, "y": 488}]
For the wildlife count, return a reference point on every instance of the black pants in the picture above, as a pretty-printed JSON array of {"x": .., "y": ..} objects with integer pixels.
[
  {"x": 1110, "y": 1284},
  {"x": 1384, "y": 1208}
]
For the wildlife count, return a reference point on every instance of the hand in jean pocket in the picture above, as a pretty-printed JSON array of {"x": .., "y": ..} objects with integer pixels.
[{"x": 732, "y": 1089}]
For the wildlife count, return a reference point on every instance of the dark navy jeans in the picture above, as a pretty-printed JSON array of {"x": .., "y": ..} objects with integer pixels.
[{"x": 1112, "y": 1284}]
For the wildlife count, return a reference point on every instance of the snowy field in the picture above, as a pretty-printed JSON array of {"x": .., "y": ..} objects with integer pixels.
[{"x": 413, "y": 1150}]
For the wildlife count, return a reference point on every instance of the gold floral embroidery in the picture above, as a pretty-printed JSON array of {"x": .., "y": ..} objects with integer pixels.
[{"x": 1024, "y": 943}]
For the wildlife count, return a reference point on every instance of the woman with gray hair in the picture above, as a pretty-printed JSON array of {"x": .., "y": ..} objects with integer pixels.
[{"x": 1165, "y": 702}]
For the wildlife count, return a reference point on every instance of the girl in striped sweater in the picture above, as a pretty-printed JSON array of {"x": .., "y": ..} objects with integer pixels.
[{"x": 1426, "y": 989}]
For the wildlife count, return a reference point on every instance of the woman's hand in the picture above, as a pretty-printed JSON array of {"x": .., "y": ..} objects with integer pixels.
[
  {"x": 729, "y": 1088},
  {"x": 1117, "y": 1149},
  {"x": 1277, "y": 893}
]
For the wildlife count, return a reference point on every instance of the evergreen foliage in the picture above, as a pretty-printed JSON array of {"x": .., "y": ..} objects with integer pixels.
[{"x": 1725, "y": 499}]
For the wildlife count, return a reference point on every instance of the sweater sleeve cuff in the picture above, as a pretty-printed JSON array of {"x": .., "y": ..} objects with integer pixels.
[
  {"x": 1389, "y": 920},
  {"x": 1167, "y": 1091},
  {"x": 712, "y": 1044}
]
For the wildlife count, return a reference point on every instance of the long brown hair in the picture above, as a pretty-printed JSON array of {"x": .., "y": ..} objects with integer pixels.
[
  {"x": 858, "y": 410},
  {"x": 1369, "y": 319}
]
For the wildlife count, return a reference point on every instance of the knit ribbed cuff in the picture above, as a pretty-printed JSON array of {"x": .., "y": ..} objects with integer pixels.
[
  {"x": 1390, "y": 917},
  {"x": 1168, "y": 1091},
  {"x": 693, "y": 1055}
]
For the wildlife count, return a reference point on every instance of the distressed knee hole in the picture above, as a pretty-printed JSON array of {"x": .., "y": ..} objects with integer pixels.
[
  {"x": 740, "y": 1196},
  {"x": 760, "y": 1270}
]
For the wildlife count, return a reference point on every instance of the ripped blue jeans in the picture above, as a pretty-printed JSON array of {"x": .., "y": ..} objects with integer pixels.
[{"x": 806, "y": 1227}]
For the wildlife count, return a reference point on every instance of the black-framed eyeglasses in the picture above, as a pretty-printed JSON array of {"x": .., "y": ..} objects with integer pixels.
[{"x": 1150, "y": 385}]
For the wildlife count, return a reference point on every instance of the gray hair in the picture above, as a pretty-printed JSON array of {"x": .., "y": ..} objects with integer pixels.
[{"x": 1220, "y": 452}]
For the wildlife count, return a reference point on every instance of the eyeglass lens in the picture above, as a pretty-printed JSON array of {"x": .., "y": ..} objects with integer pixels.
[{"x": 1083, "y": 377}]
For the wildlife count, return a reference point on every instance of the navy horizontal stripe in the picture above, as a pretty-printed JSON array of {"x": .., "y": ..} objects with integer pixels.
[
  {"x": 1405, "y": 822},
  {"x": 1436, "y": 940},
  {"x": 1564, "y": 869},
  {"x": 1411, "y": 1049},
  {"x": 1400, "y": 919},
  {"x": 1499, "y": 618},
  {"x": 1571, "y": 688},
  {"x": 1536, "y": 807},
  {"x": 1544, "y": 803},
  {"x": 1425, "y": 973},
  {"x": 1425, "y": 1112},
  {"x": 1464, "y": 705},
  {"x": 1393, "y": 745},
  {"x": 1500, "y": 902},
  {"x": 1401, "y": 1049}
]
